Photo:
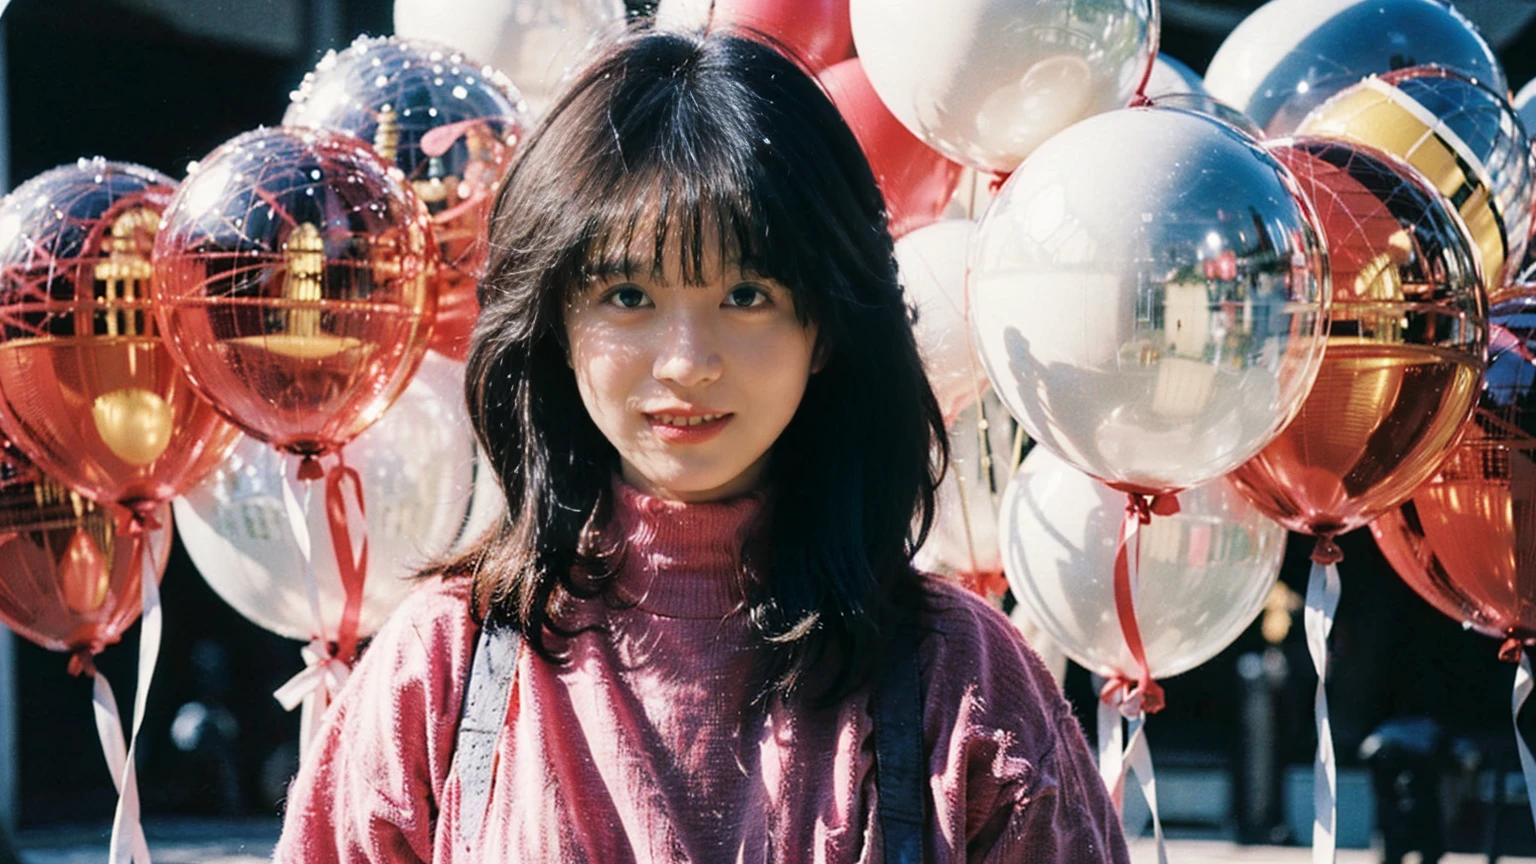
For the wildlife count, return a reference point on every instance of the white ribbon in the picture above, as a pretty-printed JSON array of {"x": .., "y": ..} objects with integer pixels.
[
  {"x": 109, "y": 728},
  {"x": 1523, "y": 687},
  {"x": 127, "y": 832},
  {"x": 1322, "y": 605},
  {"x": 1136, "y": 756},
  {"x": 323, "y": 674}
]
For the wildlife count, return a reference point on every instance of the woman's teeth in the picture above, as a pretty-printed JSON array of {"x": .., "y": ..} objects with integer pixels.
[{"x": 669, "y": 420}]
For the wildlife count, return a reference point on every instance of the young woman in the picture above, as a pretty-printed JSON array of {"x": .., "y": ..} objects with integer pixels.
[{"x": 695, "y": 378}]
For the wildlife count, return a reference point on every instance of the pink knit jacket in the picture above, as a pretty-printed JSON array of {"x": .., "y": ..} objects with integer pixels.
[{"x": 646, "y": 747}]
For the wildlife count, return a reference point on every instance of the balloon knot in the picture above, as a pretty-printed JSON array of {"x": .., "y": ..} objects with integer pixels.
[
  {"x": 1326, "y": 552},
  {"x": 1140, "y": 100},
  {"x": 1511, "y": 650},
  {"x": 998, "y": 179},
  {"x": 1143, "y": 506},
  {"x": 1131, "y": 697},
  {"x": 309, "y": 469},
  {"x": 81, "y": 663}
]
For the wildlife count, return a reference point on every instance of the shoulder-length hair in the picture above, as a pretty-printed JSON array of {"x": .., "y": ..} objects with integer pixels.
[{"x": 715, "y": 139}]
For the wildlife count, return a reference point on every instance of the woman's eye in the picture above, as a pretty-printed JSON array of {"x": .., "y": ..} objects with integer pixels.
[
  {"x": 627, "y": 297},
  {"x": 747, "y": 296}
]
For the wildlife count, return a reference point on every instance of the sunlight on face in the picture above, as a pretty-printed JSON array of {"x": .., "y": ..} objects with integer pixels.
[{"x": 691, "y": 384}]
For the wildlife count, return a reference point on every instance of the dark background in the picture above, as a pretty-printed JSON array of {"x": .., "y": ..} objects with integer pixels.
[{"x": 87, "y": 77}]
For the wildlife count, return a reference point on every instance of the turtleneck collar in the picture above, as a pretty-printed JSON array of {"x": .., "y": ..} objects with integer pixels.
[{"x": 682, "y": 560}]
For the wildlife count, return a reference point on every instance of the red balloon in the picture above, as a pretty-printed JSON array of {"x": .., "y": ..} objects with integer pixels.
[
  {"x": 292, "y": 282},
  {"x": 67, "y": 578},
  {"x": 817, "y": 32},
  {"x": 1406, "y": 337},
  {"x": 87, "y": 387},
  {"x": 917, "y": 181},
  {"x": 1466, "y": 540}
]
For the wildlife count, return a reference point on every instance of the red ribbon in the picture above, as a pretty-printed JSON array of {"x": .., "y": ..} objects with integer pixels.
[
  {"x": 1510, "y": 651},
  {"x": 353, "y": 570},
  {"x": 1144, "y": 693},
  {"x": 996, "y": 184},
  {"x": 1325, "y": 551}
]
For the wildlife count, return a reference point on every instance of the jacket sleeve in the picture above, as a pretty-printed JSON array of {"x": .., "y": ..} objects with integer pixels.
[
  {"x": 1012, "y": 778},
  {"x": 368, "y": 788}
]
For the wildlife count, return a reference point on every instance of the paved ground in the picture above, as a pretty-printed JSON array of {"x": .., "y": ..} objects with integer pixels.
[{"x": 192, "y": 842}]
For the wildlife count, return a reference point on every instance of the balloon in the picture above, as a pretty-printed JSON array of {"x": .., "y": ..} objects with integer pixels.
[
  {"x": 535, "y": 42},
  {"x": 87, "y": 389},
  {"x": 931, "y": 266},
  {"x": 1407, "y": 336},
  {"x": 963, "y": 540},
  {"x": 1170, "y": 76},
  {"x": 1525, "y": 104},
  {"x": 916, "y": 180},
  {"x": 1466, "y": 140},
  {"x": 1290, "y": 56},
  {"x": 1153, "y": 314},
  {"x": 985, "y": 82},
  {"x": 1204, "y": 573},
  {"x": 814, "y": 32},
  {"x": 450, "y": 124},
  {"x": 417, "y": 467},
  {"x": 1466, "y": 540},
  {"x": 67, "y": 578},
  {"x": 487, "y": 505},
  {"x": 292, "y": 284}
]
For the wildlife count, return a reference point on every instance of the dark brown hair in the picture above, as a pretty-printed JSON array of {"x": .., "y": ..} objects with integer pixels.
[{"x": 714, "y": 139}]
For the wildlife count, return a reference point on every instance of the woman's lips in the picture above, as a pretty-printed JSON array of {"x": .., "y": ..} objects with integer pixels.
[{"x": 694, "y": 433}]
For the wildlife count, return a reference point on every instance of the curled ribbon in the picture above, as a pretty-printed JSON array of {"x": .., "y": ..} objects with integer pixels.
[
  {"x": 1322, "y": 606},
  {"x": 322, "y": 668}
]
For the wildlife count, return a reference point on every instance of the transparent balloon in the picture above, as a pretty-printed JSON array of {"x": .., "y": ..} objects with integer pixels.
[
  {"x": 450, "y": 124},
  {"x": 1290, "y": 56},
  {"x": 1463, "y": 137},
  {"x": 1407, "y": 333},
  {"x": 418, "y": 474},
  {"x": 70, "y": 582},
  {"x": 1170, "y": 76},
  {"x": 535, "y": 42},
  {"x": 931, "y": 263},
  {"x": 985, "y": 83},
  {"x": 87, "y": 388},
  {"x": 1153, "y": 314},
  {"x": 1203, "y": 577},
  {"x": 1466, "y": 540},
  {"x": 963, "y": 541},
  {"x": 291, "y": 281}
]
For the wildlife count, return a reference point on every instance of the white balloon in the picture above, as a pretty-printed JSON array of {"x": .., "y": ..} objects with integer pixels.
[
  {"x": 986, "y": 81},
  {"x": 1290, "y": 55},
  {"x": 535, "y": 42},
  {"x": 684, "y": 15},
  {"x": 964, "y": 538},
  {"x": 486, "y": 508},
  {"x": 1204, "y": 576},
  {"x": 1169, "y": 76},
  {"x": 416, "y": 466},
  {"x": 931, "y": 263},
  {"x": 1147, "y": 293}
]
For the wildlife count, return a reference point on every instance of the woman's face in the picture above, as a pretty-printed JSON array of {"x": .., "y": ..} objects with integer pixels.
[{"x": 692, "y": 385}]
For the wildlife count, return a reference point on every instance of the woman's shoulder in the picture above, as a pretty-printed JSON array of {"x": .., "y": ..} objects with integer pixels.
[
  {"x": 969, "y": 649},
  {"x": 436, "y": 613}
]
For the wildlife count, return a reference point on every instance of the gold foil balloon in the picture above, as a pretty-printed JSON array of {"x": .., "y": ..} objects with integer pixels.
[
  {"x": 1147, "y": 292},
  {"x": 1407, "y": 336},
  {"x": 1464, "y": 137},
  {"x": 292, "y": 283},
  {"x": 450, "y": 124},
  {"x": 87, "y": 388}
]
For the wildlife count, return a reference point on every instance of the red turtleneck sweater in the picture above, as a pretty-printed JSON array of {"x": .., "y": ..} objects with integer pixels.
[{"x": 645, "y": 747}]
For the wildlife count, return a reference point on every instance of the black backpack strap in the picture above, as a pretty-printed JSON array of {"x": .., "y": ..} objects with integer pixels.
[
  {"x": 899, "y": 752},
  {"x": 491, "y": 673}
]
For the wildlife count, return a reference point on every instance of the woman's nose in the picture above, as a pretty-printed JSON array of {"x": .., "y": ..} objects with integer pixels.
[{"x": 687, "y": 355}]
